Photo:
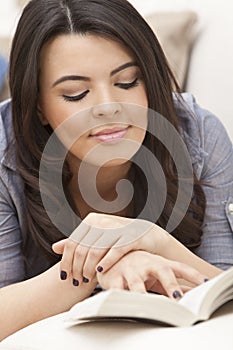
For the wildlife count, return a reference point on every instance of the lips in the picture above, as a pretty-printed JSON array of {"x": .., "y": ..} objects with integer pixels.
[{"x": 110, "y": 134}]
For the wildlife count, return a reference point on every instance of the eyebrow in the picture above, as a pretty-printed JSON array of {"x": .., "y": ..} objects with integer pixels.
[
  {"x": 124, "y": 66},
  {"x": 82, "y": 78}
]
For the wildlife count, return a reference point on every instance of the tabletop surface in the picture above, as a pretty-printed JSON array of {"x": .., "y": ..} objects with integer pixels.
[{"x": 53, "y": 333}]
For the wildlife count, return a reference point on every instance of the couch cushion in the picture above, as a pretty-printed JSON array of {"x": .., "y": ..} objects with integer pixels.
[{"x": 176, "y": 32}]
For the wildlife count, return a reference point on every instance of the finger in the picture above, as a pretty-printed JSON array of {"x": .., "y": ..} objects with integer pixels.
[
  {"x": 117, "y": 251},
  {"x": 135, "y": 282},
  {"x": 80, "y": 231},
  {"x": 67, "y": 259},
  {"x": 67, "y": 247},
  {"x": 91, "y": 237},
  {"x": 156, "y": 287},
  {"x": 113, "y": 281},
  {"x": 92, "y": 259},
  {"x": 99, "y": 249},
  {"x": 111, "y": 258},
  {"x": 83, "y": 268},
  {"x": 185, "y": 289},
  {"x": 58, "y": 247},
  {"x": 79, "y": 258},
  {"x": 168, "y": 280},
  {"x": 188, "y": 273},
  {"x": 117, "y": 283}
]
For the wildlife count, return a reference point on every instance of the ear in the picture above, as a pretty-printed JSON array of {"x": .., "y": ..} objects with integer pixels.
[{"x": 41, "y": 116}]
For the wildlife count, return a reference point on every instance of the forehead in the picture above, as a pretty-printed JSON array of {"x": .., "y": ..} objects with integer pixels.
[{"x": 83, "y": 51}]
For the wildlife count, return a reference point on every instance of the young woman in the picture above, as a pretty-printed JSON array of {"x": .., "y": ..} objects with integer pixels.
[{"x": 93, "y": 104}]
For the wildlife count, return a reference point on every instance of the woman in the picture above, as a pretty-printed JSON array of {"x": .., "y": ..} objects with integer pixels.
[{"x": 82, "y": 69}]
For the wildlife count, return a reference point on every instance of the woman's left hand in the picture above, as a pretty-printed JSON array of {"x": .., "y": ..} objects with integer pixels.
[{"x": 141, "y": 271}]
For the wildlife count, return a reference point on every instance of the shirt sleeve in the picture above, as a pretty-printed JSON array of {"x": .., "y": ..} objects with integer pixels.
[
  {"x": 217, "y": 179},
  {"x": 11, "y": 257}
]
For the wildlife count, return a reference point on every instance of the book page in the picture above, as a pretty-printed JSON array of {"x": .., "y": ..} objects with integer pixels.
[
  {"x": 204, "y": 299},
  {"x": 116, "y": 303}
]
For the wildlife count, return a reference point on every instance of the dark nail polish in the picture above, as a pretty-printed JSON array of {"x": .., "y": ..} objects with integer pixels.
[
  {"x": 99, "y": 268},
  {"x": 206, "y": 279},
  {"x": 176, "y": 294},
  {"x": 75, "y": 282},
  {"x": 63, "y": 275},
  {"x": 85, "y": 280}
]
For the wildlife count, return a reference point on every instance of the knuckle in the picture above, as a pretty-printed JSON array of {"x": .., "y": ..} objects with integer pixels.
[
  {"x": 93, "y": 254},
  {"x": 70, "y": 244},
  {"x": 91, "y": 218},
  {"x": 80, "y": 251},
  {"x": 121, "y": 250},
  {"x": 134, "y": 281},
  {"x": 164, "y": 269},
  {"x": 77, "y": 254}
]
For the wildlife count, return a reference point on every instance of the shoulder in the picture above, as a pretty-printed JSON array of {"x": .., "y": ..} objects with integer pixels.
[
  {"x": 7, "y": 153},
  {"x": 5, "y": 109},
  {"x": 196, "y": 120},
  {"x": 5, "y": 123},
  {"x": 202, "y": 131},
  {"x": 199, "y": 119}
]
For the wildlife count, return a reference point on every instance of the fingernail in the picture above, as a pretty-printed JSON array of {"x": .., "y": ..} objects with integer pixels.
[
  {"x": 63, "y": 275},
  {"x": 99, "y": 269},
  {"x": 206, "y": 279},
  {"x": 85, "y": 280},
  {"x": 176, "y": 294},
  {"x": 75, "y": 282}
]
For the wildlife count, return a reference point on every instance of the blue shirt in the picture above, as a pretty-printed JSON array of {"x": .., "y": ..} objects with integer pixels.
[
  {"x": 3, "y": 70},
  {"x": 212, "y": 158}
]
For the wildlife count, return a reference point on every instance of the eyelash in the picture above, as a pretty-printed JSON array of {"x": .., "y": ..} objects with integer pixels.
[
  {"x": 75, "y": 98},
  {"x": 127, "y": 86},
  {"x": 124, "y": 86}
]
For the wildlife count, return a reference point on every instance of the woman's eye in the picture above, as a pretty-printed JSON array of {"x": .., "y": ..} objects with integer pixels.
[
  {"x": 76, "y": 97},
  {"x": 127, "y": 85}
]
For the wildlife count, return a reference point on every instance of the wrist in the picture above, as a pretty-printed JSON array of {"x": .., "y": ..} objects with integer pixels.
[{"x": 162, "y": 240}]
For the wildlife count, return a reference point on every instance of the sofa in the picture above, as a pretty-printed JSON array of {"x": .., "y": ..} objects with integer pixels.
[{"x": 197, "y": 38}]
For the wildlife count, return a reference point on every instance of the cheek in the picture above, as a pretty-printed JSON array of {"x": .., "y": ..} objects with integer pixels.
[
  {"x": 79, "y": 149},
  {"x": 55, "y": 110},
  {"x": 141, "y": 98},
  {"x": 73, "y": 132},
  {"x": 137, "y": 135}
]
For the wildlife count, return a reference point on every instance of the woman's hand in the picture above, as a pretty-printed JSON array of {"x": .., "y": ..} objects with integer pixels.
[
  {"x": 141, "y": 271},
  {"x": 101, "y": 240}
]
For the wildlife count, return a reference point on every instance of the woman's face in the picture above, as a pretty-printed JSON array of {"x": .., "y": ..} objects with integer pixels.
[{"x": 98, "y": 81}]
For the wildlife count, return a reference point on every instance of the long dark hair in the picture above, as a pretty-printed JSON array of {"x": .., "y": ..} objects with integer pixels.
[{"x": 118, "y": 20}]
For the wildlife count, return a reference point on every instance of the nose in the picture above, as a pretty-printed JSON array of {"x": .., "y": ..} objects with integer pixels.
[{"x": 109, "y": 110}]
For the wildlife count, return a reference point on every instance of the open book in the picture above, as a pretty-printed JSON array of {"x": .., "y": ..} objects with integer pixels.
[{"x": 196, "y": 305}]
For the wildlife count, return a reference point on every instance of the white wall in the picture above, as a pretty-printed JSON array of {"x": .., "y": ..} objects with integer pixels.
[
  {"x": 9, "y": 12},
  {"x": 210, "y": 76}
]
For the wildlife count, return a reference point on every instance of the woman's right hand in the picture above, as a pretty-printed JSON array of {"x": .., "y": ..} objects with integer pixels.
[
  {"x": 141, "y": 271},
  {"x": 101, "y": 240}
]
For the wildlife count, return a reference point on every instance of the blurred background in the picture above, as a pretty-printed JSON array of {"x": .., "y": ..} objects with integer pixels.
[{"x": 196, "y": 35}]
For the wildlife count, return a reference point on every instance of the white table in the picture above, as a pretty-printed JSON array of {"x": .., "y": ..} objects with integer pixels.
[{"x": 53, "y": 334}]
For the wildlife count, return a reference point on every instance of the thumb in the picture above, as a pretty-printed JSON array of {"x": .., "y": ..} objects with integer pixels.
[{"x": 58, "y": 247}]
